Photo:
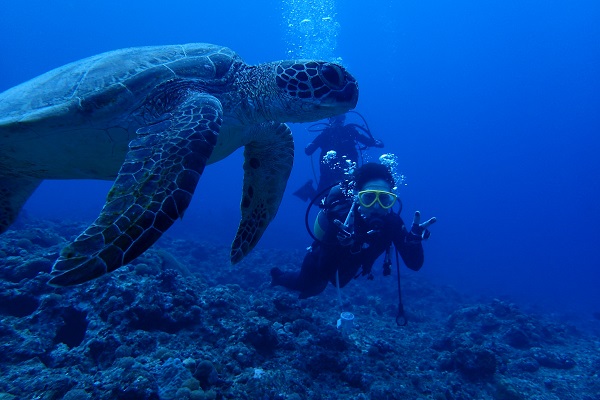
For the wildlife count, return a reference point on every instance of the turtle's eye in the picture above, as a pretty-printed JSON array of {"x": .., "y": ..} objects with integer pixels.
[{"x": 332, "y": 75}]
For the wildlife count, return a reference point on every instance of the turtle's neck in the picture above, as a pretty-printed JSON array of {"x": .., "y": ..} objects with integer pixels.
[{"x": 259, "y": 94}]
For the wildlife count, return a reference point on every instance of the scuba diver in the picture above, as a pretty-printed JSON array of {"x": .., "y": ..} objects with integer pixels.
[
  {"x": 338, "y": 143},
  {"x": 352, "y": 231}
]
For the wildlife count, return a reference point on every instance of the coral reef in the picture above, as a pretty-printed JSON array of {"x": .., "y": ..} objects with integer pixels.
[{"x": 181, "y": 323}]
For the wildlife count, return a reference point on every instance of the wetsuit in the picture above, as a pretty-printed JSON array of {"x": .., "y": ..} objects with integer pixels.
[{"x": 327, "y": 256}]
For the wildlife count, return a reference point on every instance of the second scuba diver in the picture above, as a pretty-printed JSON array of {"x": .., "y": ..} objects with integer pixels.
[{"x": 338, "y": 142}]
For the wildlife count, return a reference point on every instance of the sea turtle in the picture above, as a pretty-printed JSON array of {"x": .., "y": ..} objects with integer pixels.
[{"x": 153, "y": 117}]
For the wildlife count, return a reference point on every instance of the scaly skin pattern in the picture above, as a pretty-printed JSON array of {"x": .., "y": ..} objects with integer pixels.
[{"x": 151, "y": 119}]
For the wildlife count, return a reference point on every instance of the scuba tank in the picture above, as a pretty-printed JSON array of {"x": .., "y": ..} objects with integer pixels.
[
  {"x": 320, "y": 226},
  {"x": 322, "y": 222}
]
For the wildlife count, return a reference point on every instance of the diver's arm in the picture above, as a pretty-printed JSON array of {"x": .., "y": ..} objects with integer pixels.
[
  {"x": 368, "y": 141},
  {"x": 412, "y": 255},
  {"x": 411, "y": 251},
  {"x": 314, "y": 145}
]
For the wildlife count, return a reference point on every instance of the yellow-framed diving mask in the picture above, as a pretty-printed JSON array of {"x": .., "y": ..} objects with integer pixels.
[{"x": 367, "y": 198}]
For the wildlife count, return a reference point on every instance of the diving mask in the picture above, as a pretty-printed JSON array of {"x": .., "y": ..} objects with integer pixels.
[{"x": 368, "y": 197}]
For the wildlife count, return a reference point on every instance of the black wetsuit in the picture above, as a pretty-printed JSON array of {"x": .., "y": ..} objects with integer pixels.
[
  {"x": 328, "y": 255},
  {"x": 343, "y": 140}
]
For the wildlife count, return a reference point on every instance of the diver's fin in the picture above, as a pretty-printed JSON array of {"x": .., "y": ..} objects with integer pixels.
[{"x": 306, "y": 191}]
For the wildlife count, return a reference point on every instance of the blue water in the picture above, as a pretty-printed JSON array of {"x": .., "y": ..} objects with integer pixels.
[{"x": 493, "y": 109}]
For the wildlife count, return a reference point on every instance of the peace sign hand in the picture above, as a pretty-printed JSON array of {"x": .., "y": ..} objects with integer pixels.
[{"x": 419, "y": 231}]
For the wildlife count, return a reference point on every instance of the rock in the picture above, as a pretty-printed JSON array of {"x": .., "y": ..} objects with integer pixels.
[{"x": 475, "y": 363}]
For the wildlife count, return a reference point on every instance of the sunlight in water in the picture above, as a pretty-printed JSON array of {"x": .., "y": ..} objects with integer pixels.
[{"x": 311, "y": 29}]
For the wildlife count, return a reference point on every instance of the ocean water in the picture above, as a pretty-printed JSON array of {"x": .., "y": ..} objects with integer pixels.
[{"x": 492, "y": 108}]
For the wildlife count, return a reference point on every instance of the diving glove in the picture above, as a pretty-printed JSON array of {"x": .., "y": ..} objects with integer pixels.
[
  {"x": 419, "y": 231},
  {"x": 344, "y": 237}
]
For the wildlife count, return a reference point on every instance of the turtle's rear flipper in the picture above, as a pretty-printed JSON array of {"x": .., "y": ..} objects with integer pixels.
[
  {"x": 268, "y": 162},
  {"x": 14, "y": 192},
  {"x": 154, "y": 187}
]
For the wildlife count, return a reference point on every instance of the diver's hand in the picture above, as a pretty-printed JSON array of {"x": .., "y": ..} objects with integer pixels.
[
  {"x": 344, "y": 237},
  {"x": 419, "y": 230},
  {"x": 378, "y": 143}
]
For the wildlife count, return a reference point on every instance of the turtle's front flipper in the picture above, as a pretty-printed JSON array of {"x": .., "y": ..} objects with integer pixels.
[
  {"x": 153, "y": 189},
  {"x": 268, "y": 162}
]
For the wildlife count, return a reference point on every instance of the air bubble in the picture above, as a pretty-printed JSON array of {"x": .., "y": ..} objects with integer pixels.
[{"x": 312, "y": 29}]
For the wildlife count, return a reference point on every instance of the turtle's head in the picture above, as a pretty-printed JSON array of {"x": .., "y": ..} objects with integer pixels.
[{"x": 311, "y": 90}]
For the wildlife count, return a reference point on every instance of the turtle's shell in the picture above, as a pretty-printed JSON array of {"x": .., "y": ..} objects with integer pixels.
[{"x": 114, "y": 77}]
